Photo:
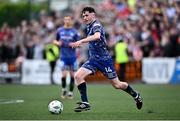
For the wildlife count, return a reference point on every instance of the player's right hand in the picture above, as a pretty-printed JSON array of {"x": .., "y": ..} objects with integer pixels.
[{"x": 75, "y": 44}]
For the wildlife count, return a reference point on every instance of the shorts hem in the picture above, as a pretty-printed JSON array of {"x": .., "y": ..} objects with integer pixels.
[
  {"x": 111, "y": 78},
  {"x": 92, "y": 71}
]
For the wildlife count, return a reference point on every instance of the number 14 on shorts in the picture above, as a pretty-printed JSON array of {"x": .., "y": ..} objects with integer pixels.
[{"x": 108, "y": 69}]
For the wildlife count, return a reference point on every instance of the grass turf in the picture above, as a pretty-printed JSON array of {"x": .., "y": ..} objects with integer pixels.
[{"x": 160, "y": 102}]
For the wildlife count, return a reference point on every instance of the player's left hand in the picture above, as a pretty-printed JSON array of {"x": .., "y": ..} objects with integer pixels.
[{"x": 75, "y": 44}]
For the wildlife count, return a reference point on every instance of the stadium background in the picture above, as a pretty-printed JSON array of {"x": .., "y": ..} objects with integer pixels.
[{"x": 150, "y": 29}]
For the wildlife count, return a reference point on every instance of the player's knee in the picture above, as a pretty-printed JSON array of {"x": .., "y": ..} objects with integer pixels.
[
  {"x": 78, "y": 77},
  {"x": 118, "y": 85},
  {"x": 115, "y": 86}
]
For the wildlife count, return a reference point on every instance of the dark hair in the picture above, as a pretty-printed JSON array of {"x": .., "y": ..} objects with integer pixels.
[
  {"x": 68, "y": 15},
  {"x": 89, "y": 9}
]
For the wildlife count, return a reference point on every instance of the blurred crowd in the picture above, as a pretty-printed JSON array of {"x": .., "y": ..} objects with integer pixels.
[{"x": 151, "y": 28}]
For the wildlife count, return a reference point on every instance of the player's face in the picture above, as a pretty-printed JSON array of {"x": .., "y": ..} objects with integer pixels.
[
  {"x": 87, "y": 17},
  {"x": 68, "y": 21}
]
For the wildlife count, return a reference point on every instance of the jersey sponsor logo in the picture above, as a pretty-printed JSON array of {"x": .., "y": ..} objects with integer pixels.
[{"x": 66, "y": 37}]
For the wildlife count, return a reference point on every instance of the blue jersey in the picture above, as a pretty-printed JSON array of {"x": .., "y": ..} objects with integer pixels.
[
  {"x": 100, "y": 59},
  {"x": 98, "y": 48},
  {"x": 67, "y": 35}
]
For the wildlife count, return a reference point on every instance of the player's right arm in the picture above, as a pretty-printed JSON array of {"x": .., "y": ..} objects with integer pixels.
[
  {"x": 58, "y": 43},
  {"x": 94, "y": 37}
]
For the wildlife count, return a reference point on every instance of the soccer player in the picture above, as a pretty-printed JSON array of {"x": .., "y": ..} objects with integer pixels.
[
  {"x": 66, "y": 35},
  {"x": 99, "y": 59}
]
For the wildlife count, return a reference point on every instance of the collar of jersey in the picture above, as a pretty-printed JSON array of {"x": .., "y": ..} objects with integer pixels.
[{"x": 91, "y": 23}]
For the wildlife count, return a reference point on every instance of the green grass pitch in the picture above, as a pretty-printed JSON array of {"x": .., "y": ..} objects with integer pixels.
[{"x": 160, "y": 102}]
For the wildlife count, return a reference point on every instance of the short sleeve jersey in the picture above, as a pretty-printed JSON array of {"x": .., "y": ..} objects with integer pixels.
[
  {"x": 67, "y": 35},
  {"x": 97, "y": 49}
]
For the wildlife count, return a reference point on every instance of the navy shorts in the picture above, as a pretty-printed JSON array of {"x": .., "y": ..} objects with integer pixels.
[
  {"x": 69, "y": 64},
  {"x": 104, "y": 66}
]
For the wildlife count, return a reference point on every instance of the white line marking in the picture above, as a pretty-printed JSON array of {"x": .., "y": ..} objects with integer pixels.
[{"x": 10, "y": 101}]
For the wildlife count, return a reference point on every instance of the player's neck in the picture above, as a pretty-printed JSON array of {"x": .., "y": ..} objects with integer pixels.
[
  {"x": 67, "y": 26},
  {"x": 93, "y": 20}
]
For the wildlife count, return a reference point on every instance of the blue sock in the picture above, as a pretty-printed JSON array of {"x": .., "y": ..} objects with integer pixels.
[{"x": 82, "y": 90}]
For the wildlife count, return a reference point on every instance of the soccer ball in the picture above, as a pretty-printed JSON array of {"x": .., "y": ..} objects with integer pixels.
[{"x": 55, "y": 107}]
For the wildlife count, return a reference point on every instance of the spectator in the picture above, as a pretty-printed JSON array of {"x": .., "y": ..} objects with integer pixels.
[
  {"x": 145, "y": 22},
  {"x": 121, "y": 54},
  {"x": 51, "y": 55}
]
